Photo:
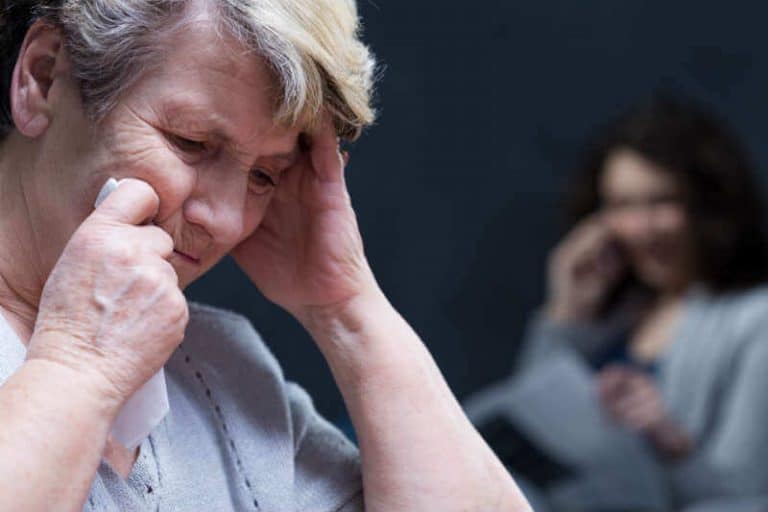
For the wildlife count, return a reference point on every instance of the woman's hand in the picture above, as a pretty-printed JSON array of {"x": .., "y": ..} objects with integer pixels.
[
  {"x": 582, "y": 270},
  {"x": 633, "y": 399},
  {"x": 307, "y": 256},
  {"x": 308, "y": 253},
  {"x": 111, "y": 309}
]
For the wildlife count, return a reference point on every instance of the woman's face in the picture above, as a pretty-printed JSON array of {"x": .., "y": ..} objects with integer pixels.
[
  {"x": 199, "y": 129},
  {"x": 645, "y": 214}
]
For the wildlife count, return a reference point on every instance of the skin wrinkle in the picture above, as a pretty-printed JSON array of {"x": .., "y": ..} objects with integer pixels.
[
  {"x": 19, "y": 299},
  {"x": 125, "y": 145},
  {"x": 393, "y": 388}
]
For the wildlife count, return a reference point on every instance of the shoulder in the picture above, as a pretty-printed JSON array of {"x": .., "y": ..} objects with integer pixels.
[
  {"x": 223, "y": 351},
  {"x": 745, "y": 310},
  {"x": 736, "y": 321}
]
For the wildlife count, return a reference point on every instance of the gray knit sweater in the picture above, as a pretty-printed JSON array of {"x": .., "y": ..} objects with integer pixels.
[
  {"x": 714, "y": 381},
  {"x": 238, "y": 437}
]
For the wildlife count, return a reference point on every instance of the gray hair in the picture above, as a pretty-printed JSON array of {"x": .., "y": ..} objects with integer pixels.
[{"x": 312, "y": 46}]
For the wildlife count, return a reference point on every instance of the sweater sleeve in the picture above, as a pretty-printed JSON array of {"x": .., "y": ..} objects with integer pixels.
[
  {"x": 326, "y": 464},
  {"x": 733, "y": 460},
  {"x": 544, "y": 338}
]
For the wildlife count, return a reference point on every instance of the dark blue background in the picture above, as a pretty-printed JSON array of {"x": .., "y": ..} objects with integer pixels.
[{"x": 484, "y": 107}]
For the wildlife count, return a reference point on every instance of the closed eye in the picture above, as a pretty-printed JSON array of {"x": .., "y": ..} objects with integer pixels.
[
  {"x": 261, "y": 182},
  {"x": 186, "y": 145}
]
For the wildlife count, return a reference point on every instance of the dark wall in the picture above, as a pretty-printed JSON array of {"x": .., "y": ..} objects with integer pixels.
[{"x": 484, "y": 107}]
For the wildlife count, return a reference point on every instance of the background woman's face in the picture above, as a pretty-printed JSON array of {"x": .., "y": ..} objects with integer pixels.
[
  {"x": 200, "y": 131},
  {"x": 646, "y": 216}
]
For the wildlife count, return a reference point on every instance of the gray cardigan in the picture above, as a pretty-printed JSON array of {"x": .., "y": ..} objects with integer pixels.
[
  {"x": 238, "y": 436},
  {"x": 714, "y": 381}
]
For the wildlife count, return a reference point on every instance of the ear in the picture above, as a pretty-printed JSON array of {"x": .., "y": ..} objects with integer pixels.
[{"x": 36, "y": 67}]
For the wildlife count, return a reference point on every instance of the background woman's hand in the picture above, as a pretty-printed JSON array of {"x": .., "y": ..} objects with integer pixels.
[
  {"x": 308, "y": 252},
  {"x": 582, "y": 270},
  {"x": 631, "y": 397},
  {"x": 111, "y": 308}
]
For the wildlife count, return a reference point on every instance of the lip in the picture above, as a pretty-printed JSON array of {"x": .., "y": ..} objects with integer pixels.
[{"x": 187, "y": 257}]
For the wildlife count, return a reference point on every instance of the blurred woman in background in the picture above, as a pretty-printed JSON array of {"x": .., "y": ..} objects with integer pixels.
[{"x": 659, "y": 287}]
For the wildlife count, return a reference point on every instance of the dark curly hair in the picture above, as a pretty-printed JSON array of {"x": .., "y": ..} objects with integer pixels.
[{"x": 714, "y": 174}]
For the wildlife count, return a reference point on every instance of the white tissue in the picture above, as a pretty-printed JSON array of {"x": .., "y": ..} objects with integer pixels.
[{"x": 148, "y": 406}]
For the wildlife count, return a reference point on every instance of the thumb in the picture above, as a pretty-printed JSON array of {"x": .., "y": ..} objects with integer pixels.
[{"x": 132, "y": 202}]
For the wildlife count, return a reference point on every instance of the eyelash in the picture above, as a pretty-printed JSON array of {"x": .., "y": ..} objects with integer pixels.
[
  {"x": 263, "y": 175},
  {"x": 197, "y": 148},
  {"x": 188, "y": 145}
]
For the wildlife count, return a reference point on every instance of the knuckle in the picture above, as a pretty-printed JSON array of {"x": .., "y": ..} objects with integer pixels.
[
  {"x": 166, "y": 240},
  {"x": 121, "y": 253},
  {"x": 151, "y": 275},
  {"x": 170, "y": 273},
  {"x": 163, "y": 235},
  {"x": 178, "y": 307}
]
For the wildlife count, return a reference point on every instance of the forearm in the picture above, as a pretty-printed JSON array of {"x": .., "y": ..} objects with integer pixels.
[
  {"x": 51, "y": 438},
  {"x": 419, "y": 451}
]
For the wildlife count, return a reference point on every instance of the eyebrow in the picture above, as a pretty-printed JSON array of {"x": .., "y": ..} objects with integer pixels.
[
  {"x": 287, "y": 158},
  {"x": 218, "y": 129}
]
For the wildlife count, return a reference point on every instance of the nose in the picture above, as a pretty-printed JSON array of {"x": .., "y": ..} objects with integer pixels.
[
  {"x": 217, "y": 204},
  {"x": 634, "y": 223}
]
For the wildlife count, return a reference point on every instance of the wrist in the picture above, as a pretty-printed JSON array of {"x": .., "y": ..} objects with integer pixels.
[
  {"x": 74, "y": 373},
  {"x": 669, "y": 439},
  {"x": 79, "y": 390},
  {"x": 364, "y": 340},
  {"x": 350, "y": 315}
]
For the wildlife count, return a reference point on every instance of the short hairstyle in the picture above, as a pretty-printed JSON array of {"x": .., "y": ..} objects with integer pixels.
[
  {"x": 312, "y": 46},
  {"x": 714, "y": 174}
]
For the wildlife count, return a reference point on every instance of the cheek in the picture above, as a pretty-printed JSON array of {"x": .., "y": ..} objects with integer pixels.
[
  {"x": 256, "y": 210},
  {"x": 622, "y": 226},
  {"x": 671, "y": 220},
  {"x": 144, "y": 155}
]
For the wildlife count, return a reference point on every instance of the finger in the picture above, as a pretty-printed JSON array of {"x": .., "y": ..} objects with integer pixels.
[
  {"x": 609, "y": 381},
  {"x": 584, "y": 246},
  {"x": 156, "y": 240},
  {"x": 640, "y": 418},
  {"x": 588, "y": 228},
  {"x": 610, "y": 407},
  {"x": 591, "y": 243},
  {"x": 327, "y": 160},
  {"x": 637, "y": 403},
  {"x": 169, "y": 271},
  {"x": 132, "y": 202}
]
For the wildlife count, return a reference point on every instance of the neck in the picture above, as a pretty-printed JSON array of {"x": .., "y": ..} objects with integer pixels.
[
  {"x": 22, "y": 273},
  {"x": 669, "y": 297}
]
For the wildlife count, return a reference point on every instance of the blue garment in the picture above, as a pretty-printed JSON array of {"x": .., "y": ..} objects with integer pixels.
[{"x": 618, "y": 353}]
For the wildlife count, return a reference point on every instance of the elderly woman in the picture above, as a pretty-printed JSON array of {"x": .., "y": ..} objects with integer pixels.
[{"x": 222, "y": 119}]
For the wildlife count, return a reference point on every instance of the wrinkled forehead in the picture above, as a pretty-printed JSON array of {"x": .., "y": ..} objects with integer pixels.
[{"x": 208, "y": 80}]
